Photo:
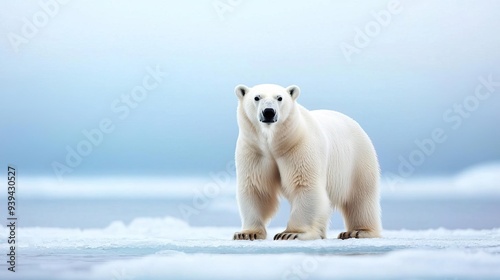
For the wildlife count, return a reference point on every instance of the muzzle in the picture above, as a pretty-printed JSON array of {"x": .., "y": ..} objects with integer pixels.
[{"x": 268, "y": 116}]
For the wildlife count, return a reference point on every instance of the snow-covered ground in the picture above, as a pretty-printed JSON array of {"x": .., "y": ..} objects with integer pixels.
[
  {"x": 154, "y": 248},
  {"x": 109, "y": 228}
]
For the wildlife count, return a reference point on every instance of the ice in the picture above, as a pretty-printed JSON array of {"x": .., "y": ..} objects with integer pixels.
[
  {"x": 132, "y": 228},
  {"x": 168, "y": 248}
]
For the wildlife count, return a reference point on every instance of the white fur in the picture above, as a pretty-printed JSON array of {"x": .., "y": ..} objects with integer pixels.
[{"x": 319, "y": 160}]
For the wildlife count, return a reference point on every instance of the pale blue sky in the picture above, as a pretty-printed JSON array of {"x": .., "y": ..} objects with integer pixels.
[{"x": 65, "y": 78}]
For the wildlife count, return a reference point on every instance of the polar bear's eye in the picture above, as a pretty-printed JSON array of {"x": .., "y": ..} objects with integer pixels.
[
  {"x": 280, "y": 98},
  {"x": 257, "y": 98}
]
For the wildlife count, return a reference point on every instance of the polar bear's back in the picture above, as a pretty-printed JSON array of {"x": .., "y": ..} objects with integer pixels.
[
  {"x": 351, "y": 153},
  {"x": 340, "y": 128}
]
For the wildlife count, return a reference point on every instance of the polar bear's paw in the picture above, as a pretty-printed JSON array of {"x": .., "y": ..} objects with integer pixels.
[
  {"x": 249, "y": 235},
  {"x": 358, "y": 234}
]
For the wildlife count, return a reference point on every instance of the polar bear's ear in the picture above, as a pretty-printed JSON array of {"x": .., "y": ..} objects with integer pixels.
[
  {"x": 294, "y": 91},
  {"x": 241, "y": 90}
]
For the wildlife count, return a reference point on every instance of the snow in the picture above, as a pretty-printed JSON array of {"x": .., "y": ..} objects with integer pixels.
[
  {"x": 168, "y": 248},
  {"x": 133, "y": 228}
]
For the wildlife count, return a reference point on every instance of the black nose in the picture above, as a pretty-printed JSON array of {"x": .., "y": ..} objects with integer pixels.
[{"x": 268, "y": 115}]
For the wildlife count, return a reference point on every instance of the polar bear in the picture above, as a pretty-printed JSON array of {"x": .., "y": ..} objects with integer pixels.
[{"x": 319, "y": 160}]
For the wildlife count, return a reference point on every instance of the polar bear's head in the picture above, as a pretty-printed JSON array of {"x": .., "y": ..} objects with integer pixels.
[{"x": 267, "y": 104}]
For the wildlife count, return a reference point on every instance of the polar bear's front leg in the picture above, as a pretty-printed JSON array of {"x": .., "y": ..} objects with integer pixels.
[
  {"x": 258, "y": 201},
  {"x": 256, "y": 209},
  {"x": 309, "y": 215},
  {"x": 258, "y": 186}
]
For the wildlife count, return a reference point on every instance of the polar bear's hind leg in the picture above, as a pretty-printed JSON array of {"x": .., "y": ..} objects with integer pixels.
[{"x": 362, "y": 210}]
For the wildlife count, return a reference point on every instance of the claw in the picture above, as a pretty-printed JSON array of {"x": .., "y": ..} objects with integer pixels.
[
  {"x": 286, "y": 236},
  {"x": 349, "y": 234},
  {"x": 247, "y": 236}
]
